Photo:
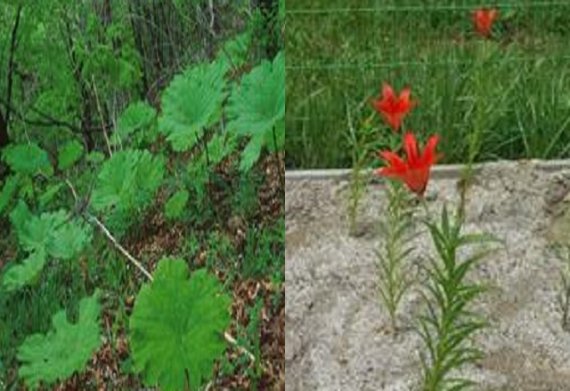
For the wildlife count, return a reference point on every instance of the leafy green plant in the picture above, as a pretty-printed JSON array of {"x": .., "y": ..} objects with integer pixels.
[
  {"x": 8, "y": 191},
  {"x": 257, "y": 110},
  {"x": 81, "y": 153},
  {"x": 449, "y": 324},
  {"x": 234, "y": 51},
  {"x": 395, "y": 273},
  {"x": 27, "y": 159},
  {"x": 177, "y": 327},
  {"x": 56, "y": 234},
  {"x": 63, "y": 350},
  {"x": 191, "y": 103},
  {"x": 136, "y": 122},
  {"x": 126, "y": 184},
  {"x": 360, "y": 142},
  {"x": 26, "y": 272}
]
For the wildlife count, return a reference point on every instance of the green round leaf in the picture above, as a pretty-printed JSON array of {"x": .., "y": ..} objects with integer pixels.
[
  {"x": 257, "y": 109},
  {"x": 177, "y": 327},
  {"x": 128, "y": 180},
  {"x": 138, "y": 116},
  {"x": 63, "y": 350},
  {"x": 258, "y": 103},
  {"x": 27, "y": 159},
  {"x": 24, "y": 273},
  {"x": 192, "y": 102},
  {"x": 55, "y": 233}
]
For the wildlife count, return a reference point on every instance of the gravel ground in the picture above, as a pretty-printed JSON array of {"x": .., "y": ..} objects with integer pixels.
[{"x": 337, "y": 333}]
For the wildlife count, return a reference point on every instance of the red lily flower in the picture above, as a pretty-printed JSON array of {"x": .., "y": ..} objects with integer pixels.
[
  {"x": 415, "y": 171},
  {"x": 394, "y": 108},
  {"x": 483, "y": 19}
]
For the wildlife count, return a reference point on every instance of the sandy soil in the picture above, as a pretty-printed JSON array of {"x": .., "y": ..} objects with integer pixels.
[{"x": 337, "y": 333}]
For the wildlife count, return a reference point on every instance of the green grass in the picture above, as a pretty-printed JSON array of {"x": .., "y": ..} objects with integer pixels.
[{"x": 519, "y": 96}]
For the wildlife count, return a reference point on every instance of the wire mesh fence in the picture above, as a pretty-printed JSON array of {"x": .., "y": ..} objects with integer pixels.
[{"x": 340, "y": 52}]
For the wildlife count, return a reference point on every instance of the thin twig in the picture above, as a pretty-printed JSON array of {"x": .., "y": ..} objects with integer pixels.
[
  {"x": 109, "y": 236},
  {"x": 212, "y": 16},
  {"x": 243, "y": 350},
  {"x": 101, "y": 116},
  {"x": 119, "y": 247}
]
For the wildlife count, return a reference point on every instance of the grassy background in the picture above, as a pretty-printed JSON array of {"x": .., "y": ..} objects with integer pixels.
[{"x": 514, "y": 90}]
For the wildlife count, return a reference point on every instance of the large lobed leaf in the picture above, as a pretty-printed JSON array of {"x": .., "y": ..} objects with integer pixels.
[
  {"x": 257, "y": 109},
  {"x": 8, "y": 191},
  {"x": 55, "y": 233},
  {"x": 27, "y": 159},
  {"x": 192, "y": 102},
  {"x": 19, "y": 275},
  {"x": 234, "y": 51},
  {"x": 127, "y": 181},
  {"x": 63, "y": 350},
  {"x": 137, "y": 117},
  {"x": 177, "y": 326}
]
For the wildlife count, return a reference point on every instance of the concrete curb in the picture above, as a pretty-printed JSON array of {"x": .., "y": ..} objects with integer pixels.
[{"x": 438, "y": 172}]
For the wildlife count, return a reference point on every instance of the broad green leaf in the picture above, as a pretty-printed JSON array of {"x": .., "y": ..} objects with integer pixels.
[
  {"x": 69, "y": 154},
  {"x": 27, "y": 159},
  {"x": 192, "y": 102},
  {"x": 257, "y": 108},
  {"x": 19, "y": 215},
  {"x": 250, "y": 154},
  {"x": 128, "y": 180},
  {"x": 25, "y": 272},
  {"x": 69, "y": 240},
  {"x": 56, "y": 233},
  {"x": 177, "y": 327},
  {"x": 49, "y": 194},
  {"x": 63, "y": 350},
  {"x": 139, "y": 116},
  {"x": 175, "y": 205},
  {"x": 234, "y": 51},
  {"x": 8, "y": 191}
]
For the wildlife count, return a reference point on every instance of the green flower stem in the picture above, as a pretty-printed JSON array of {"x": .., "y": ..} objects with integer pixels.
[{"x": 393, "y": 257}]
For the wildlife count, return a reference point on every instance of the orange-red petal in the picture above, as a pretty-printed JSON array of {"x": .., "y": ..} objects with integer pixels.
[
  {"x": 411, "y": 148},
  {"x": 387, "y": 91},
  {"x": 429, "y": 156}
]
